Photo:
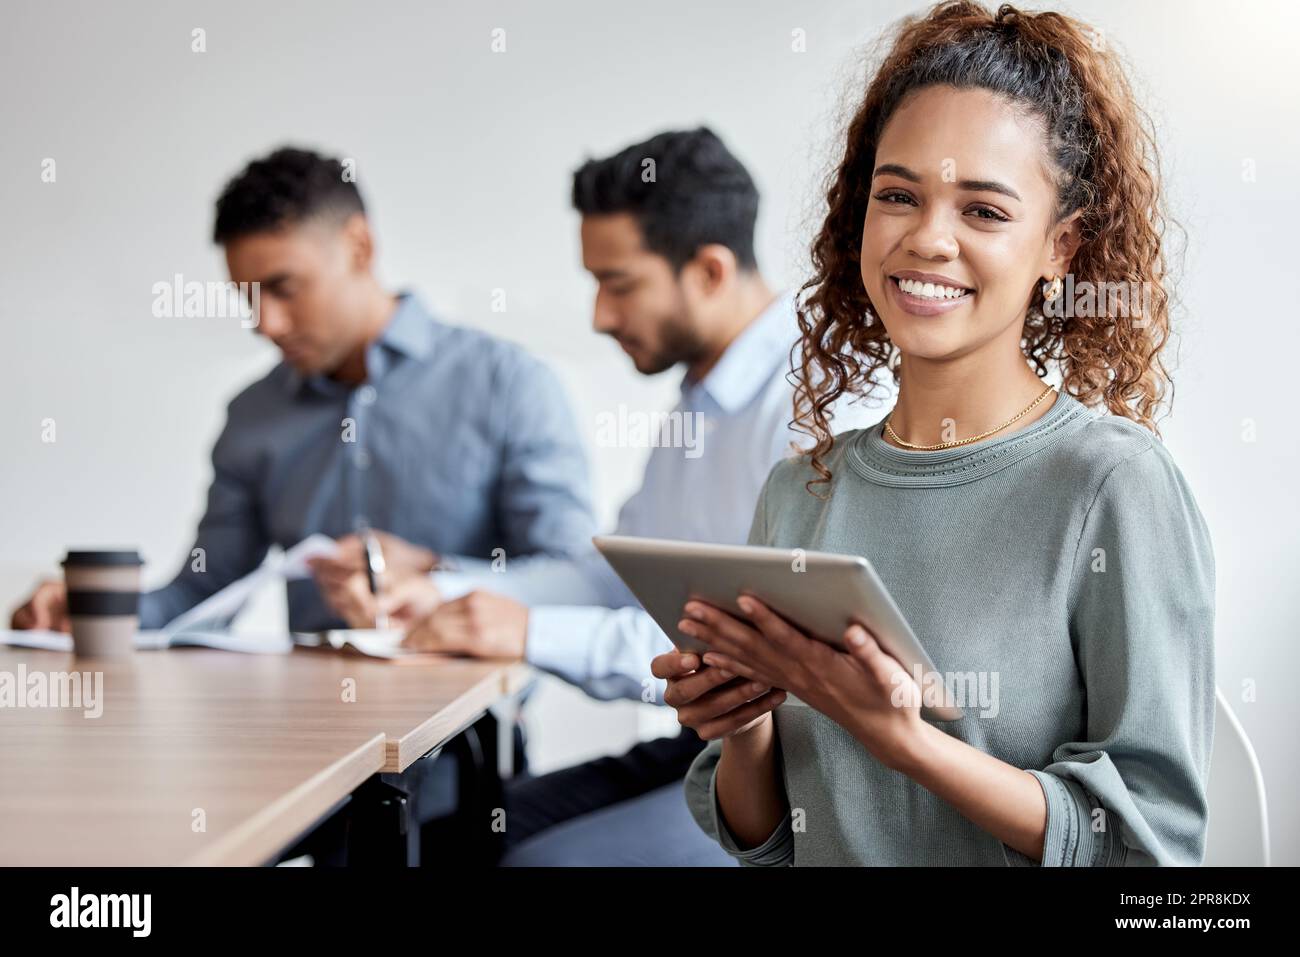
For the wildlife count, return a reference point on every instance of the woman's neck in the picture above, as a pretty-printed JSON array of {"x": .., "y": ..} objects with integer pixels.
[{"x": 955, "y": 399}]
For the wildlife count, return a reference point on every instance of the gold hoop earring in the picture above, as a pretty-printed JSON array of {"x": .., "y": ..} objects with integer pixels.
[{"x": 1053, "y": 289}]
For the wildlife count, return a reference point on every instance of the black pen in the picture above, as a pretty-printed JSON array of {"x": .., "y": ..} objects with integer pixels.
[{"x": 375, "y": 568}]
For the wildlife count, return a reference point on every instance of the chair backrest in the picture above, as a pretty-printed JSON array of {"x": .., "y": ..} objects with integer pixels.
[{"x": 1238, "y": 813}]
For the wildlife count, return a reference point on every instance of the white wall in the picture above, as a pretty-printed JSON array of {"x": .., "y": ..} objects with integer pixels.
[{"x": 464, "y": 157}]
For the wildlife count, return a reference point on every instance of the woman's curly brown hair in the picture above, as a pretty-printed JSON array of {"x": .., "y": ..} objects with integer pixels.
[{"x": 1103, "y": 147}]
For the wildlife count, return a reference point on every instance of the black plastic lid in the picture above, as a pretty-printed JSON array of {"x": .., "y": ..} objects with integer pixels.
[{"x": 125, "y": 556}]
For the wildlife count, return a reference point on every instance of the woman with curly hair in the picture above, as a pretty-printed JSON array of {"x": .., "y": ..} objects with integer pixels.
[{"x": 998, "y": 192}]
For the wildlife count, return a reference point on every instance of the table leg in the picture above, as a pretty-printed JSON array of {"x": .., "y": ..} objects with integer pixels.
[{"x": 380, "y": 830}]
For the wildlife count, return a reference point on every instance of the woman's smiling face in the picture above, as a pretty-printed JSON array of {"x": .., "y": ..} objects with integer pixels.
[{"x": 960, "y": 194}]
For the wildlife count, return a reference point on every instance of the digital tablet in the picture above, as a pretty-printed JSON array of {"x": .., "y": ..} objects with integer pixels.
[{"x": 819, "y": 592}]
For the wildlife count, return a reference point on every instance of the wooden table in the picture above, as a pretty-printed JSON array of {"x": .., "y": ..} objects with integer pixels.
[{"x": 209, "y": 757}]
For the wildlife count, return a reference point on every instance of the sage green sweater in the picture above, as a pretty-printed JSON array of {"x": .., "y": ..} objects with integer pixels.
[{"x": 1065, "y": 572}]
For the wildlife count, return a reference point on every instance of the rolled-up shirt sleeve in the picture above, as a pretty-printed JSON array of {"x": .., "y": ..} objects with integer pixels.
[
  {"x": 585, "y": 579},
  {"x": 604, "y": 651},
  {"x": 584, "y": 626},
  {"x": 1132, "y": 790}
]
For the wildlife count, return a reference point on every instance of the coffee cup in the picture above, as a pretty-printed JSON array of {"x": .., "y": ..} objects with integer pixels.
[{"x": 103, "y": 601}]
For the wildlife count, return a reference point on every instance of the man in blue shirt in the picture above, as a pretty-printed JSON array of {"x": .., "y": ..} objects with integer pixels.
[
  {"x": 379, "y": 415},
  {"x": 668, "y": 235}
]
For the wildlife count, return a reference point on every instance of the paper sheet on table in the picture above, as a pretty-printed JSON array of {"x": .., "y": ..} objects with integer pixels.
[
  {"x": 223, "y": 605},
  {"x": 372, "y": 642},
  {"x": 37, "y": 638},
  {"x": 155, "y": 640}
]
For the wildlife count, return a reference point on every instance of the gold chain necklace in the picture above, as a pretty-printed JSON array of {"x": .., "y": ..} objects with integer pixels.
[{"x": 974, "y": 438}]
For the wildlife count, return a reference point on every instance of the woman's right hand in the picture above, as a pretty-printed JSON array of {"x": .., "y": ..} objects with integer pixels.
[{"x": 711, "y": 701}]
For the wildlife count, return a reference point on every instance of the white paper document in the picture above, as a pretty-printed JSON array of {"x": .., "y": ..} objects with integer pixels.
[
  {"x": 372, "y": 642},
  {"x": 223, "y": 605},
  {"x": 155, "y": 640}
]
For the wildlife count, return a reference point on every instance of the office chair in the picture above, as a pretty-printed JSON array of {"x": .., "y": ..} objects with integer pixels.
[{"x": 1237, "y": 834}]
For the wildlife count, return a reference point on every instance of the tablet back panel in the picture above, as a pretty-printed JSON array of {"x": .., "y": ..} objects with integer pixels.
[{"x": 820, "y": 592}]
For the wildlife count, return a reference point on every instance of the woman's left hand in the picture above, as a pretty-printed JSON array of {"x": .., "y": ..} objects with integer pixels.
[{"x": 864, "y": 690}]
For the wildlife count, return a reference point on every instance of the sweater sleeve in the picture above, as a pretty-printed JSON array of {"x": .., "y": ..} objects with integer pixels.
[
  {"x": 1133, "y": 790},
  {"x": 702, "y": 800},
  {"x": 701, "y": 778}
]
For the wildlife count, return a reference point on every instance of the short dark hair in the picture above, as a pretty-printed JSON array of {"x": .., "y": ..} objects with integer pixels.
[
  {"x": 288, "y": 187},
  {"x": 699, "y": 193}
]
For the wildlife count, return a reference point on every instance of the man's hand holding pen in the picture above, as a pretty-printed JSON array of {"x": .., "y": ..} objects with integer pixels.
[{"x": 386, "y": 582}]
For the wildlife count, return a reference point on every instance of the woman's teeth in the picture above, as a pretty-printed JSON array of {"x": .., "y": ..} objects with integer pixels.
[{"x": 928, "y": 290}]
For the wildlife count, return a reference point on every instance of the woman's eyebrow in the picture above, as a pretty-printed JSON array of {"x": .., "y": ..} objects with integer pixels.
[
  {"x": 971, "y": 185},
  {"x": 988, "y": 186},
  {"x": 894, "y": 169}
]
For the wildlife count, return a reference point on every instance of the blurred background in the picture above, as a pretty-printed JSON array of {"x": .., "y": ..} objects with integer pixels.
[{"x": 464, "y": 157}]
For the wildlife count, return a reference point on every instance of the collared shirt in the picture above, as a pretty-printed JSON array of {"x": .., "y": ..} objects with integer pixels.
[
  {"x": 457, "y": 441},
  {"x": 732, "y": 427}
]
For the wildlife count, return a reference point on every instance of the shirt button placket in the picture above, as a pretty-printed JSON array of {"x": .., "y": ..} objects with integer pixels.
[{"x": 359, "y": 403}]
